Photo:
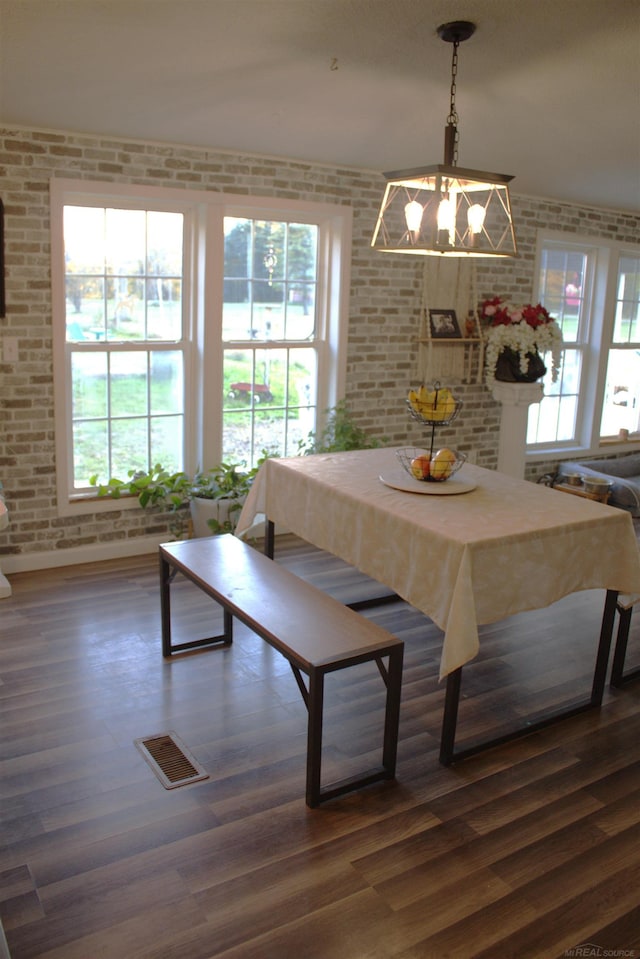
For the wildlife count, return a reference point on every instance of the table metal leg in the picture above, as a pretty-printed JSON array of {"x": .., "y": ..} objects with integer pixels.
[
  {"x": 450, "y": 716},
  {"x": 618, "y": 675},
  {"x": 452, "y": 698},
  {"x": 604, "y": 647},
  {"x": 269, "y": 538}
]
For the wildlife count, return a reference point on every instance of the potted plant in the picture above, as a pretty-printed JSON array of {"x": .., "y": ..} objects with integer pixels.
[
  {"x": 515, "y": 338},
  {"x": 214, "y": 497},
  {"x": 217, "y": 496}
]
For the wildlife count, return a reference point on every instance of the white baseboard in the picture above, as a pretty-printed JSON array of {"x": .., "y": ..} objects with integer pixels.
[
  {"x": 26, "y": 562},
  {"x": 51, "y": 559}
]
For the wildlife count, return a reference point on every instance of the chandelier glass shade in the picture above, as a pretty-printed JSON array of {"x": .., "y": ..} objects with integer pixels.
[{"x": 446, "y": 210}]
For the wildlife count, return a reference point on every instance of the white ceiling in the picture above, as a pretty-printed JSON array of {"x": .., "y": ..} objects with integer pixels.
[{"x": 548, "y": 90}]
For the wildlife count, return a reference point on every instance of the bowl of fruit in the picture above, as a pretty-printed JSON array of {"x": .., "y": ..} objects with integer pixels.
[
  {"x": 431, "y": 406},
  {"x": 429, "y": 467}
]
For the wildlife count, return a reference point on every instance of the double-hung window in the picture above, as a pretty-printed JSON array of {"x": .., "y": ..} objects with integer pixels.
[
  {"x": 270, "y": 335},
  {"x": 592, "y": 289},
  {"x": 125, "y": 348},
  {"x": 621, "y": 404},
  {"x": 190, "y": 329}
]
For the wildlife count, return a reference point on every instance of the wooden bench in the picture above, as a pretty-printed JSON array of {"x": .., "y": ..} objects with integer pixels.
[{"x": 313, "y": 631}]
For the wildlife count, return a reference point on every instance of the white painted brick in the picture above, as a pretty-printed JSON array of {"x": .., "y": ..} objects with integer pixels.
[{"x": 384, "y": 306}]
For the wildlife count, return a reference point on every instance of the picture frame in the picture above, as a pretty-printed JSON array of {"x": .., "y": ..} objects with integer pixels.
[{"x": 443, "y": 324}]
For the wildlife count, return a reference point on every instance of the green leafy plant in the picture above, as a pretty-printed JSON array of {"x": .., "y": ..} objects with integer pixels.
[
  {"x": 173, "y": 492},
  {"x": 229, "y": 482},
  {"x": 340, "y": 434}
]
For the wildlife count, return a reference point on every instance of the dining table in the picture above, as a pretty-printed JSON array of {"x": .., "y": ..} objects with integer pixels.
[{"x": 469, "y": 551}]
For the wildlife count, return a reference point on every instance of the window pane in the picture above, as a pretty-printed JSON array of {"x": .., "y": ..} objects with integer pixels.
[
  {"x": 126, "y": 309},
  {"x": 237, "y": 437},
  {"x": 561, "y": 286},
  {"x": 555, "y": 417},
  {"x": 302, "y": 410},
  {"x": 567, "y": 418},
  {"x": 166, "y": 382},
  {"x": 128, "y": 384},
  {"x": 236, "y": 310},
  {"x": 85, "y": 308},
  {"x": 246, "y": 379},
  {"x": 301, "y": 311},
  {"x": 167, "y": 442},
  {"x": 89, "y": 385},
  {"x": 302, "y": 251},
  {"x": 84, "y": 240},
  {"x": 164, "y": 243},
  {"x": 270, "y": 280},
  {"x": 621, "y": 407},
  {"x": 90, "y": 451},
  {"x": 164, "y": 309},
  {"x": 125, "y": 241},
  {"x": 627, "y": 322},
  {"x": 268, "y": 310},
  {"x": 129, "y": 446},
  {"x": 543, "y": 428},
  {"x": 269, "y": 401},
  {"x": 269, "y": 250}
]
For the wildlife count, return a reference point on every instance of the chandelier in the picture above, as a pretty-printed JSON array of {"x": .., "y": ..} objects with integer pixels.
[{"x": 447, "y": 210}]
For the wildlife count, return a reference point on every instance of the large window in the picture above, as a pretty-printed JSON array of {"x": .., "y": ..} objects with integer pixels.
[
  {"x": 621, "y": 406},
  {"x": 190, "y": 329},
  {"x": 270, "y": 335},
  {"x": 594, "y": 293},
  {"x": 563, "y": 285},
  {"x": 124, "y": 341}
]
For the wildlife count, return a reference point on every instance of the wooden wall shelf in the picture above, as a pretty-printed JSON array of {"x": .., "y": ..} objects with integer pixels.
[{"x": 454, "y": 341}]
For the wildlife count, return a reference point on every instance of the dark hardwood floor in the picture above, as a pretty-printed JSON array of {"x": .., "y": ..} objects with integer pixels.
[{"x": 528, "y": 850}]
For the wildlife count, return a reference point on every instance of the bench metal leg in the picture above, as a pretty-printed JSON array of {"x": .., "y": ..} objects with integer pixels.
[
  {"x": 167, "y": 575},
  {"x": 452, "y": 698},
  {"x": 314, "y": 737},
  {"x": 314, "y": 700},
  {"x": 618, "y": 675},
  {"x": 393, "y": 682}
]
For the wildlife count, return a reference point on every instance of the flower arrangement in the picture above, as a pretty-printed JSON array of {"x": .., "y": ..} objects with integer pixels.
[{"x": 527, "y": 330}]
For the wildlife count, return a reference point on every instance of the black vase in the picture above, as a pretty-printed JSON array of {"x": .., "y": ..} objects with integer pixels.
[{"x": 508, "y": 367}]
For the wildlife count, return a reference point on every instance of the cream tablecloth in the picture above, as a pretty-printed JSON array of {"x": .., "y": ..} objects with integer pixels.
[{"x": 474, "y": 558}]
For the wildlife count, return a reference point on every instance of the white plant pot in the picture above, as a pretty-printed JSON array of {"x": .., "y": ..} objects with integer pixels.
[{"x": 202, "y": 510}]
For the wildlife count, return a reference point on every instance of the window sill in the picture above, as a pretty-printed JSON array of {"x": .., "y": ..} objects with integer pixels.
[
  {"x": 614, "y": 446},
  {"x": 616, "y": 442},
  {"x": 85, "y": 504}
]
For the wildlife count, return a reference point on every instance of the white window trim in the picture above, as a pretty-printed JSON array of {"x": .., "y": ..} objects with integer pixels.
[
  {"x": 604, "y": 257},
  {"x": 204, "y": 211}
]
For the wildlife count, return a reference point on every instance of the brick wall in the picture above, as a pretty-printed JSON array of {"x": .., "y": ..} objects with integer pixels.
[{"x": 383, "y": 317}]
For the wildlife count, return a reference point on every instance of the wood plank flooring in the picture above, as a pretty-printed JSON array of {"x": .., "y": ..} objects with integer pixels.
[{"x": 526, "y": 851}]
